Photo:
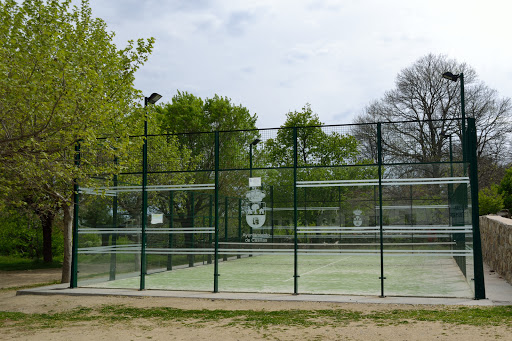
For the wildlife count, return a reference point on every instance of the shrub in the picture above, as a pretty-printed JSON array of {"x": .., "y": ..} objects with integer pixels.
[
  {"x": 490, "y": 200},
  {"x": 505, "y": 189},
  {"x": 19, "y": 235}
]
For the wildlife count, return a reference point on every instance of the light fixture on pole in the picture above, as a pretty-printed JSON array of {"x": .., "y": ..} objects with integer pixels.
[
  {"x": 151, "y": 100},
  {"x": 253, "y": 143},
  {"x": 454, "y": 78},
  {"x": 450, "y": 76}
]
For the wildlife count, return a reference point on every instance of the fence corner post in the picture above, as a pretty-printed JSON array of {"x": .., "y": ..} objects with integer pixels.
[{"x": 475, "y": 217}]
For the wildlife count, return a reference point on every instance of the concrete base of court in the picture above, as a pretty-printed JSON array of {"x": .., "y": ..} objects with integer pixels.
[{"x": 498, "y": 292}]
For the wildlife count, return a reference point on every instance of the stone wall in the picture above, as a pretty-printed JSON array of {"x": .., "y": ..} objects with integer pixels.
[{"x": 496, "y": 235}]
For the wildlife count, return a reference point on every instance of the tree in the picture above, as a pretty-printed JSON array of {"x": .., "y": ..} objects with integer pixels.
[
  {"x": 320, "y": 153},
  {"x": 194, "y": 120},
  {"x": 314, "y": 146},
  {"x": 422, "y": 95},
  {"x": 63, "y": 81}
]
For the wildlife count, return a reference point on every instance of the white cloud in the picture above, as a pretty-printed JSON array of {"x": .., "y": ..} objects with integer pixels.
[{"x": 274, "y": 56}]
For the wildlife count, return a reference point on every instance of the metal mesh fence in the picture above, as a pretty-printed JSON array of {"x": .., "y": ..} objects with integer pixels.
[{"x": 359, "y": 209}]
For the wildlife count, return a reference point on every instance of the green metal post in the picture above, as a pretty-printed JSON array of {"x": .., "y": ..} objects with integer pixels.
[
  {"x": 379, "y": 148},
  {"x": 210, "y": 223},
  {"x": 295, "y": 217},
  {"x": 144, "y": 215},
  {"x": 375, "y": 211},
  {"x": 216, "y": 203},
  {"x": 143, "y": 262},
  {"x": 113, "y": 256},
  {"x": 272, "y": 213},
  {"x": 463, "y": 114},
  {"x": 74, "y": 248},
  {"x": 250, "y": 160},
  {"x": 339, "y": 205},
  {"x": 202, "y": 242},
  {"x": 239, "y": 223},
  {"x": 171, "y": 227},
  {"x": 226, "y": 222},
  {"x": 412, "y": 204},
  {"x": 450, "y": 188},
  {"x": 451, "y": 156},
  {"x": 191, "y": 258},
  {"x": 411, "y": 215},
  {"x": 305, "y": 207},
  {"x": 477, "y": 244}
]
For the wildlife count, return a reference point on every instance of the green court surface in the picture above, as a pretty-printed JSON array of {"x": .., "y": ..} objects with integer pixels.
[{"x": 347, "y": 274}]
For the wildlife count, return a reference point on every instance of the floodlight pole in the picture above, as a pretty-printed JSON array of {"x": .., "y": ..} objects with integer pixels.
[
  {"x": 454, "y": 78},
  {"x": 151, "y": 100},
  {"x": 381, "y": 220},
  {"x": 113, "y": 255},
  {"x": 463, "y": 113},
  {"x": 295, "y": 217},
  {"x": 449, "y": 136},
  {"x": 451, "y": 157},
  {"x": 253, "y": 143},
  {"x": 216, "y": 207},
  {"x": 450, "y": 186},
  {"x": 76, "y": 199},
  {"x": 171, "y": 227},
  {"x": 250, "y": 160},
  {"x": 478, "y": 267}
]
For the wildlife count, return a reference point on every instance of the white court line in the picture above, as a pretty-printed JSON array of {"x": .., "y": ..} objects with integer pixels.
[{"x": 289, "y": 279}]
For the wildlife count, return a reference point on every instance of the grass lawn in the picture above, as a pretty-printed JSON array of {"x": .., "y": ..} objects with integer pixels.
[{"x": 10, "y": 263}]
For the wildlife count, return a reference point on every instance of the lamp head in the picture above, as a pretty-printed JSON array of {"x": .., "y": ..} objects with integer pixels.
[
  {"x": 255, "y": 142},
  {"x": 153, "y": 98},
  {"x": 450, "y": 76}
]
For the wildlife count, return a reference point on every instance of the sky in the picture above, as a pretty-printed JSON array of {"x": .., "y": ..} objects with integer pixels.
[{"x": 273, "y": 57}]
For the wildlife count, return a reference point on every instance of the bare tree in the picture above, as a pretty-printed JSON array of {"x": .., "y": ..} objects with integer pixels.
[{"x": 421, "y": 95}]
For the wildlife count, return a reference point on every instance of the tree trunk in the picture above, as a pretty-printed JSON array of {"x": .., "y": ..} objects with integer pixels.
[
  {"x": 68, "y": 240},
  {"x": 47, "y": 222}
]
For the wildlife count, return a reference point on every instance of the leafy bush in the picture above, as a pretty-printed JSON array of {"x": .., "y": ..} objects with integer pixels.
[
  {"x": 21, "y": 236},
  {"x": 490, "y": 200},
  {"x": 505, "y": 189}
]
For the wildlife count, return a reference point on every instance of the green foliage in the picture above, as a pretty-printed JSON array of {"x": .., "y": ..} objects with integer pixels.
[
  {"x": 192, "y": 115},
  {"x": 15, "y": 263},
  {"x": 21, "y": 235},
  {"x": 63, "y": 80},
  {"x": 490, "y": 200},
  {"x": 320, "y": 151},
  {"x": 314, "y": 145},
  {"x": 188, "y": 113},
  {"x": 97, "y": 212},
  {"x": 505, "y": 189}
]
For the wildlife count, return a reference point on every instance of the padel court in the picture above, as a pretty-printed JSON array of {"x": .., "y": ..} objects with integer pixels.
[
  {"x": 345, "y": 209},
  {"x": 357, "y": 275}
]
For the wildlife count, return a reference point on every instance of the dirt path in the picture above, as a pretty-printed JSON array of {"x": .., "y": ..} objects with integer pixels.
[
  {"x": 9, "y": 279},
  {"x": 222, "y": 330}
]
